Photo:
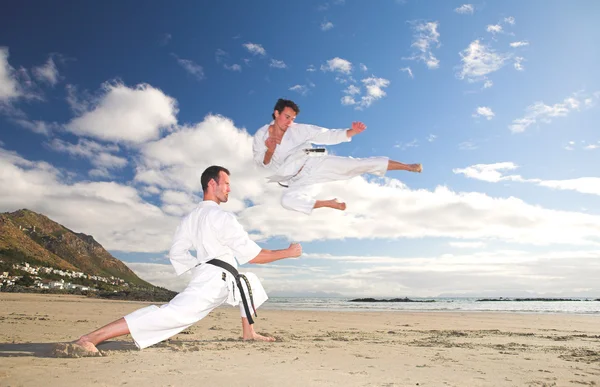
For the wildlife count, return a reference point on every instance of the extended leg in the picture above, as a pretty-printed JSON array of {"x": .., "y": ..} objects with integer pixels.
[
  {"x": 298, "y": 196},
  {"x": 301, "y": 199}
]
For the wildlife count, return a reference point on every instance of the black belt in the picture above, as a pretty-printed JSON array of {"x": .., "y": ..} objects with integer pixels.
[{"x": 238, "y": 279}]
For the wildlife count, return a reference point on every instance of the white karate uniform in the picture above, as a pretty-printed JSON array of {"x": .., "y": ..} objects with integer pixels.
[
  {"x": 289, "y": 157},
  {"x": 213, "y": 233}
]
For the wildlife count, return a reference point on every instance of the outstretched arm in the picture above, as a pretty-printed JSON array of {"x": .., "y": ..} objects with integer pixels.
[
  {"x": 323, "y": 136},
  {"x": 266, "y": 256}
]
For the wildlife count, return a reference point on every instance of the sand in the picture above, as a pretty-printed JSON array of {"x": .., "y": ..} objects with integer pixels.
[{"x": 313, "y": 348}]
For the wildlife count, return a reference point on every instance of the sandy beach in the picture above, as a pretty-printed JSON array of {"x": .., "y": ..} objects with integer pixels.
[{"x": 313, "y": 348}]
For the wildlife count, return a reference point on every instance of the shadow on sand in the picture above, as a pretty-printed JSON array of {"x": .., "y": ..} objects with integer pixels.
[{"x": 59, "y": 349}]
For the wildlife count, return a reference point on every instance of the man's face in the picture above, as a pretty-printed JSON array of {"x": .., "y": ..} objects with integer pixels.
[
  {"x": 284, "y": 119},
  {"x": 222, "y": 188}
]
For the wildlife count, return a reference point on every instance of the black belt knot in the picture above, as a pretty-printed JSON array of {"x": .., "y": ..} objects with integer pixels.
[{"x": 238, "y": 279}]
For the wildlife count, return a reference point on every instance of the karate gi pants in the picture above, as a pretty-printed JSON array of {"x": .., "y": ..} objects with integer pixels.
[
  {"x": 300, "y": 195},
  {"x": 205, "y": 292}
]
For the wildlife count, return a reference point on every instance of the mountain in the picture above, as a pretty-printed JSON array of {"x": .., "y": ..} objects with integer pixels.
[{"x": 26, "y": 236}]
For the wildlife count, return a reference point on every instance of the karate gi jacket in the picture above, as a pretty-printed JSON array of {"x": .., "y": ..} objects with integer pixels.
[{"x": 289, "y": 156}]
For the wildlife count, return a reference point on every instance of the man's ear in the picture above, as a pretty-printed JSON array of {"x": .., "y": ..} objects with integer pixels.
[
  {"x": 212, "y": 184},
  {"x": 276, "y": 112}
]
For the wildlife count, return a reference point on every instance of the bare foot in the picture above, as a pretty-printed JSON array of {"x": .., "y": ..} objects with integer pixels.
[
  {"x": 257, "y": 337},
  {"x": 87, "y": 345},
  {"x": 336, "y": 204}
]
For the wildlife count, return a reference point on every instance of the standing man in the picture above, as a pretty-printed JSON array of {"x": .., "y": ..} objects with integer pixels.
[
  {"x": 217, "y": 238},
  {"x": 285, "y": 148}
]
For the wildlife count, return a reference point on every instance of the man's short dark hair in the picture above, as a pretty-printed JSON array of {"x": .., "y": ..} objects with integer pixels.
[
  {"x": 282, "y": 104},
  {"x": 212, "y": 173}
]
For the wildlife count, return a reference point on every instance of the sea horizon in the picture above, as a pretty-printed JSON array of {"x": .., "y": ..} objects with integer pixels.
[{"x": 570, "y": 305}]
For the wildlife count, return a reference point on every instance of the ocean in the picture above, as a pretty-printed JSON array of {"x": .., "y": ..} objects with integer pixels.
[{"x": 582, "y": 306}]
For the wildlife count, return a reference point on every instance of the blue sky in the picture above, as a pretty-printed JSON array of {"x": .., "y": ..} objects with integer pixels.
[{"x": 110, "y": 111}]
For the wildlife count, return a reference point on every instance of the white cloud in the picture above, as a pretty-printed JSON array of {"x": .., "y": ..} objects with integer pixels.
[
  {"x": 40, "y": 127},
  {"x": 132, "y": 115},
  {"x": 113, "y": 213},
  {"x": 192, "y": 68},
  {"x": 278, "y": 64},
  {"x": 494, "y": 28},
  {"x": 326, "y": 26},
  {"x": 348, "y": 100},
  {"x": 494, "y": 173},
  {"x": 426, "y": 37},
  {"x": 519, "y": 44},
  {"x": 478, "y": 60},
  {"x": 178, "y": 203},
  {"x": 352, "y": 90},
  {"x": 106, "y": 160},
  {"x": 9, "y": 84},
  {"x": 544, "y": 113},
  {"x": 431, "y": 137},
  {"x": 465, "y": 9},
  {"x": 498, "y": 29},
  {"x": 160, "y": 275},
  {"x": 301, "y": 89},
  {"x": 221, "y": 55},
  {"x": 99, "y": 155},
  {"x": 233, "y": 67},
  {"x": 214, "y": 141},
  {"x": 407, "y": 70},
  {"x": 374, "y": 90},
  {"x": 422, "y": 213},
  {"x": 484, "y": 111},
  {"x": 504, "y": 272},
  {"x": 255, "y": 49},
  {"x": 338, "y": 65},
  {"x": 488, "y": 172},
  {"x": 570, "y": 146},
  {"x": 587, "y": 185},
  {"x": 518, "y": 63},
  {"x": 363, "y": 67},
  {"x": 487, "y": 84},
  {"x": 467, "y": 245},
  {"x": 467, "y": 145},
  {"x": 120, "y": 219},
  {"x": 78, "y": 105},
  {"x": 344, "y": 80},
  {"x": 47, "y": 73},
  {"x": 403, "y": 146}
]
